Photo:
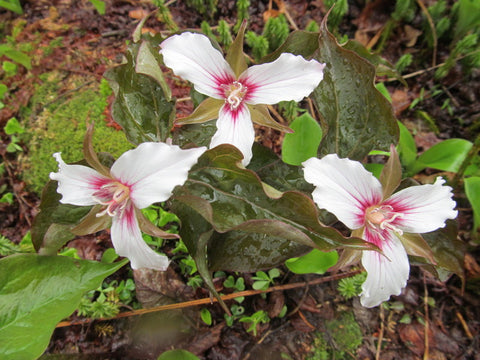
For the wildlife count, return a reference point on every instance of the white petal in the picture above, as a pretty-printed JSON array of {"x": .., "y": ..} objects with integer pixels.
[
  {"x": 425, "y": 208},
  {"x": 386, "y": 274},
  {"x": 192, "y": 57},
  {"x": 77, "y": 183},
  {"x": 290, "y": 77},
  {"x": 152, "y": 171},
  {"x": 127, "y": 241},
  {"x": 235, "y": 128},
  {"x": 343, "y": 187}
]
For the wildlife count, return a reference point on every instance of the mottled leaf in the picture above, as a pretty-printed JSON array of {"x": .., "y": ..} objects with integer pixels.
[
  {"x": 233, "y": 198},
  {"x": 141, "y": 106},
  {"x": 63, "y": 217},
  {"x": 356, "y": 116}
]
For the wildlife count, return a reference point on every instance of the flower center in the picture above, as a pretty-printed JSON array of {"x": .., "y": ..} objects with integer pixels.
[
  {"x": 115, "y": 196},
  {"x": 381, "y": 218},
  {"x": 234, "y": 93}
]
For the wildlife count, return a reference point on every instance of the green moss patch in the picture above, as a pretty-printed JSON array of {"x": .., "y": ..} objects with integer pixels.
[
  {"x": 61, "y": 124},
  {"x": 340, "y": 340}
]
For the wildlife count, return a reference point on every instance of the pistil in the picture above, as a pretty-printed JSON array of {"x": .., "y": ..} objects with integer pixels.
[
  {"x": 234, "y": 94},
  {"x": 381, "y": 217},
  {"x": 115, "y": 196}
]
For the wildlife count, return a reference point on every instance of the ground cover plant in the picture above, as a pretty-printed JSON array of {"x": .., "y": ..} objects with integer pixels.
[{"x": 242, "y": 180}]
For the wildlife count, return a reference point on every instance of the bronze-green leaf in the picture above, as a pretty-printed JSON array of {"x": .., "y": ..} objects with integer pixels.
[{"x": 356, "y": 116}]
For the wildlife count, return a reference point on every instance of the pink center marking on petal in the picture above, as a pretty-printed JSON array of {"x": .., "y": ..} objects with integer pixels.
[
  {"x": 222, "y": 81},
  {"x": 115, "y": 196},
  {"x": 382, "y": 217}
]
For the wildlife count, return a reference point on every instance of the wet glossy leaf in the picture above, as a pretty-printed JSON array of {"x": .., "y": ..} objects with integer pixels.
[
  {"x": 195, "y": 134},
  {"x": 357, "y": 118},
  {"x": 303, "y": 143},
  {"x": 315, "y": 262},
  {"x": 447, "y": 155},
  {"x": 234, "y": 199},
  {"x": 383, "y": 67},
  {"x": 36, "y": 292},
  {"x": 141, "y": 106},
  {"x": 51, "y": 227},
  {"x": 299, "y": 42},
  {"x": 448, "y": 251}
]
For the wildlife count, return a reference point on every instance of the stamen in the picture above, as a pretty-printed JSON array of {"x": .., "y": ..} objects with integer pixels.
[
  {"x": 381, "y": 218},
  {"x": 234, "y": 93},
  {"x": 115, "y": 196}
]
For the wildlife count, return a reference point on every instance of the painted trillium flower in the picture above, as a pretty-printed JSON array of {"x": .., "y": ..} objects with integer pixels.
[
  {"x": 137, "y": 179},
  {"x": 236, "y": 92},
  {"x": 357, "y": 199}
]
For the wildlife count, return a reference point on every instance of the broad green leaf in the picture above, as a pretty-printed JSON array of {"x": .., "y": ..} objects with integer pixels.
[
  {"x": 407, "y": 149},
  {"x": 472, "y": 190},
  {"x": 36, "y": 292},
  {"x": 447, "y": 155},
  {"x": 315, "y": 262},
  {"x": 51, "y": 227},
  {"x": 233, "y": 198},
  {"x": 303, "y": 143},
  {"x": 12, "y": 5},
  {"x": 196, "y": 134},
  {"x": 141, "y": 106},
  {"x": 177, "y": 355},
  {"x": 357, "y": 117}
]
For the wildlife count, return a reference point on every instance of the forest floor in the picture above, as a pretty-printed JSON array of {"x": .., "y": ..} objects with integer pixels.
[{"x": 320, "y": 323}]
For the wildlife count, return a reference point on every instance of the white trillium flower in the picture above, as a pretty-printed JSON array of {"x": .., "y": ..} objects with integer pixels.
[
  {"x": 138, "y": 178},
  {"x": 354, "y": 196},
  {"x": 290, "y": 77}
]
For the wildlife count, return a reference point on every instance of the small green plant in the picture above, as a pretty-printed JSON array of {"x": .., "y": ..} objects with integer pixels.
[
  {"x": 107, "y": 299},
  {"x": 204, "y": 7},
  {"x": 237, "y": 285},
  {"x": 242, "y": 13},
  {"x": 99, "y": 5},
  {"x": 237, "y": 311},
  {"x": 258, "y": 43},
  {"x": 206, "y": 316},
  {"x": 164, "y": 15},
  {"x": 276, "y": 31},
  {"x": 224, "y": 34},
  {"x": 352, "y": 286},
  {"x": 259, "y": 317},
  {"x": 13, "y": 128},
  {"x": 340, "y": 9},
  {"x": 8, "y": 247},
  {"x": 264, "y": 280}
]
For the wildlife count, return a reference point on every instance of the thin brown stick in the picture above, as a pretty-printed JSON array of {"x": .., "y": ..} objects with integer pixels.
[
  {"x": 464, "y": 325},
  {"x": 205, "y": 301},
  {"x": 380, "y": 335}
]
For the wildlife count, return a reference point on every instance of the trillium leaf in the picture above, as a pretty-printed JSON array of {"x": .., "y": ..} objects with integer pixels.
[
  {"x": 230, "y": 198},
  {"x": 449, "y": 252},
  {"x": 299, "y": 42},
  {"x": 356, "y": 116},
  {"x": 196, "y": 134},
  {"x": 416, "y": 245},
  {"x": 141, "y": 106},
  {"x": 58, "y": 284},
  {"x": 45, "y": 237}
]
